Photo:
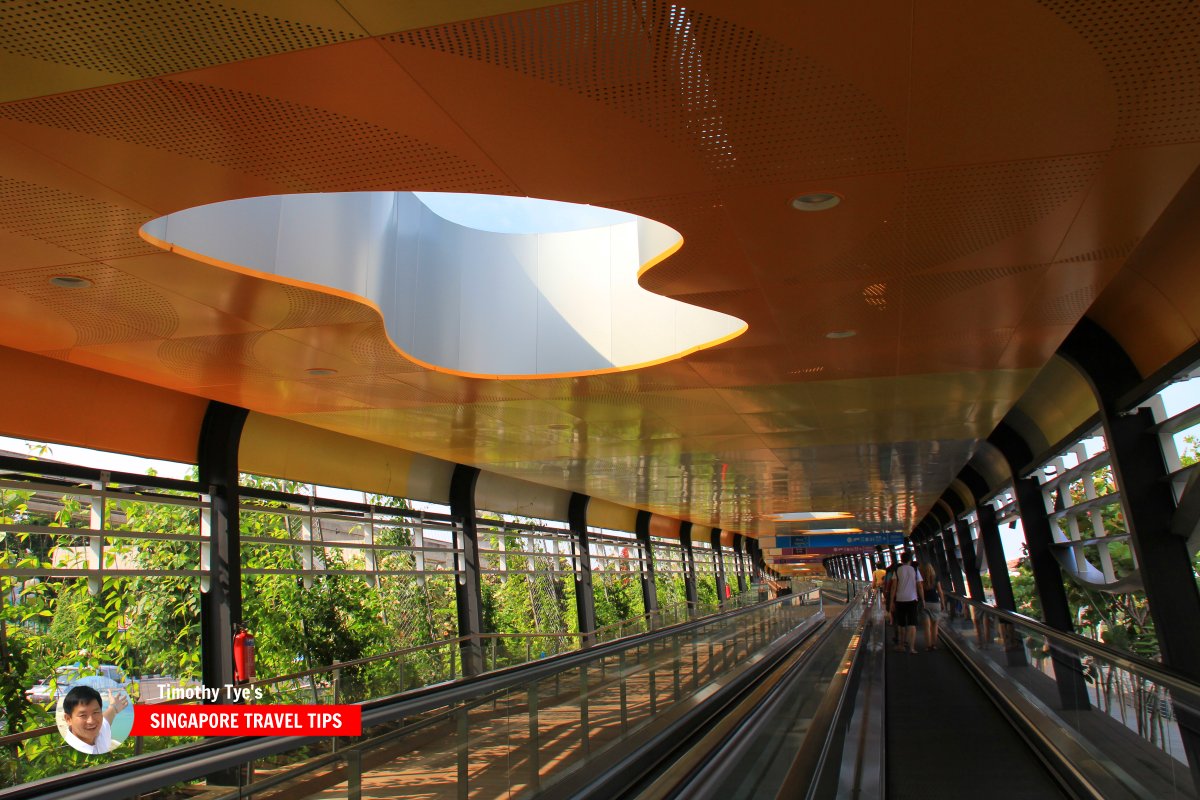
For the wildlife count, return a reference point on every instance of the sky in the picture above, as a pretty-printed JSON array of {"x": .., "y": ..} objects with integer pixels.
[{"x": 500, "y": 214}]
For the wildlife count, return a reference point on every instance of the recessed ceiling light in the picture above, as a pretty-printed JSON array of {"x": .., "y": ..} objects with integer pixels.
[
  {"x": 808, "y": 516},
  {"x": 846, "y": 334},
  {"x": 815, "y": 201},
  {"x": 854, "y": 411},
  {"x": 822, "y": 531},
  {"x": 321, "y": 371},
  {"x": 70, "y": 282}
]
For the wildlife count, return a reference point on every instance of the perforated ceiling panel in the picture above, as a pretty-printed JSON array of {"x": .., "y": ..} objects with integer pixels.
[
  {"x": 151, "y": 37},
  {"x": 115, "y": 308},
  {"x": 92, "y": 228},
  {"x": 749, "y": 108},
  {"x": 300, "y": 147},
  {"x": 959, "y": 211},
  {"x": 214, "y": 360},
  {"x": 1149, "y": 49}
]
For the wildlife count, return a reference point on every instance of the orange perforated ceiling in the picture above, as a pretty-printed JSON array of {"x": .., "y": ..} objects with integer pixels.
[{"x": 998, "y": 164}]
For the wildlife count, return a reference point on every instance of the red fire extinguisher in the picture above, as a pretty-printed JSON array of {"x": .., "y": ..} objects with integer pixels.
[{"x": 243, "y": 655}]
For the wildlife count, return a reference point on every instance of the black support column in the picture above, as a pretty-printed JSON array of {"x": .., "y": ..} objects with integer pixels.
[
  {"x": 1141, "y": 476},
  {"x": 649, "y": 587},
  {"x": 1047, "y": 576},
  {"x": 966, "y": 546},
  {"x": 221, "y": 601},
  {"x": 718, "y": 565},
  {"x": 739, "y": 558},
  {"x": 948, "y": 542},
  {"x": 467, "y": 590},
  {"x": 993, "y": 550},
  {"x": 689, "y": 566},
  {"x": 585, "y": 598}
]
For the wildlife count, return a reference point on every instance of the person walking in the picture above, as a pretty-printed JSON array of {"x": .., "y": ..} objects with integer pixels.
[
  {"x": 905, "y": 602},
  {"x": 933, "y": 603}
]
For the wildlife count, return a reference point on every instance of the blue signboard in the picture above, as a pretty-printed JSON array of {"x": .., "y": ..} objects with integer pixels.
[{"x": 840, "y": 540}]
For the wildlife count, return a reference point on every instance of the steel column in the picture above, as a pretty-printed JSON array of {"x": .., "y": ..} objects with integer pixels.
[
  {"x": 718, "y": 565},
  {"x": 956, "y": 574},
  {"x": 739, "y": 560},
  {"x": 221, "y": 601},
  {"x": 966, "y": 546},
  {"x": 585, "y": 597},
  {"x": 221, "y": 592},
  {"x": 689, "y": 566},
  {"x": 467, "y": 590},
  {"x": 649, "y": 587},
  {"x": 993, "y": 549}
]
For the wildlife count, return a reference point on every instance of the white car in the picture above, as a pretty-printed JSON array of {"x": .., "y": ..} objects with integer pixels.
[{"x": 42, "y": 692}]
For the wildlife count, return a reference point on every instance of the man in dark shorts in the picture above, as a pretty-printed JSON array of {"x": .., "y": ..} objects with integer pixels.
[{"x": 905, "y": 602}]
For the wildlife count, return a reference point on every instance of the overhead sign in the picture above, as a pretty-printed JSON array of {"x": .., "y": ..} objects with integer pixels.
[
  {"x": 810, "y": 553},
  {"x": 840, "y": 540}
]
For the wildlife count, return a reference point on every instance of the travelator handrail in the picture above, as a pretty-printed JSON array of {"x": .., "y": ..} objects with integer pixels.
[
  {"x": 145, "y": 773},
  {"x": 725, "y": 756},
  {"x": 736, "y": 602},
  {"x": 1159, "y": 673}
]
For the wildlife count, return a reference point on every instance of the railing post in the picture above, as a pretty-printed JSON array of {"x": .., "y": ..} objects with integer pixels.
[{"x": 467, "y": 589}]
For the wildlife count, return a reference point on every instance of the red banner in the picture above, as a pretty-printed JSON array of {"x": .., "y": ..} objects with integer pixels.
[{"x": 167, "y": 719}]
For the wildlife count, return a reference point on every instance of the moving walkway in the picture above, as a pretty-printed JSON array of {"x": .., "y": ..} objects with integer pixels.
[{"x": 797, "y": 697}]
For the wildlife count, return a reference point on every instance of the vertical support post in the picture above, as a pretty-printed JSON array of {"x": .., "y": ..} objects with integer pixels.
[
  {"x": 221, "y": 603},
  {"x": 467, "y": 590},
  {"x": 585, "y": 598},
  {"x": 739, "y": 561},
  {"x": 756, "y": 562},
  {"x": 993, "y": 549},
  {"x": 95, "y": 547},
  {"x": 718, "y": 565},
  {"x": 939, "y": 553},
  {"x": 221, "y": 591},
  {"x": 649, "y": 587},
  {"x": 956, "y": 574},
  {"x": 966, "y": 546},
  {"x": 1047, "y": 578},
  {"x": 689, "y": 566}
]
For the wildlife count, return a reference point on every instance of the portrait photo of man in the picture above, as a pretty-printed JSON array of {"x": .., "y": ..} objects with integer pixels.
[{"x": 88, "y": 719}]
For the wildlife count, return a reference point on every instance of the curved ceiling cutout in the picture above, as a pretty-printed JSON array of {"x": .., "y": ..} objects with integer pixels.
[{"x": 491, "y": 299}]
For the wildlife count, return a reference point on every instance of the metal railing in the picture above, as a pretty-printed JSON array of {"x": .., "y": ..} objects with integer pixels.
[
  {"x": 675, "y": 661},
  {"x": 1095, "y": 705}
]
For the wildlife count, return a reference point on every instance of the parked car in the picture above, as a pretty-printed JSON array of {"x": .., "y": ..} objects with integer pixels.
[{"x": 43, "y": 692}]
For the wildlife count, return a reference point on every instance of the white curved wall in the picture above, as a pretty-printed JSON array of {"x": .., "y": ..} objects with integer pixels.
[{"x": 459, "y": 298}]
